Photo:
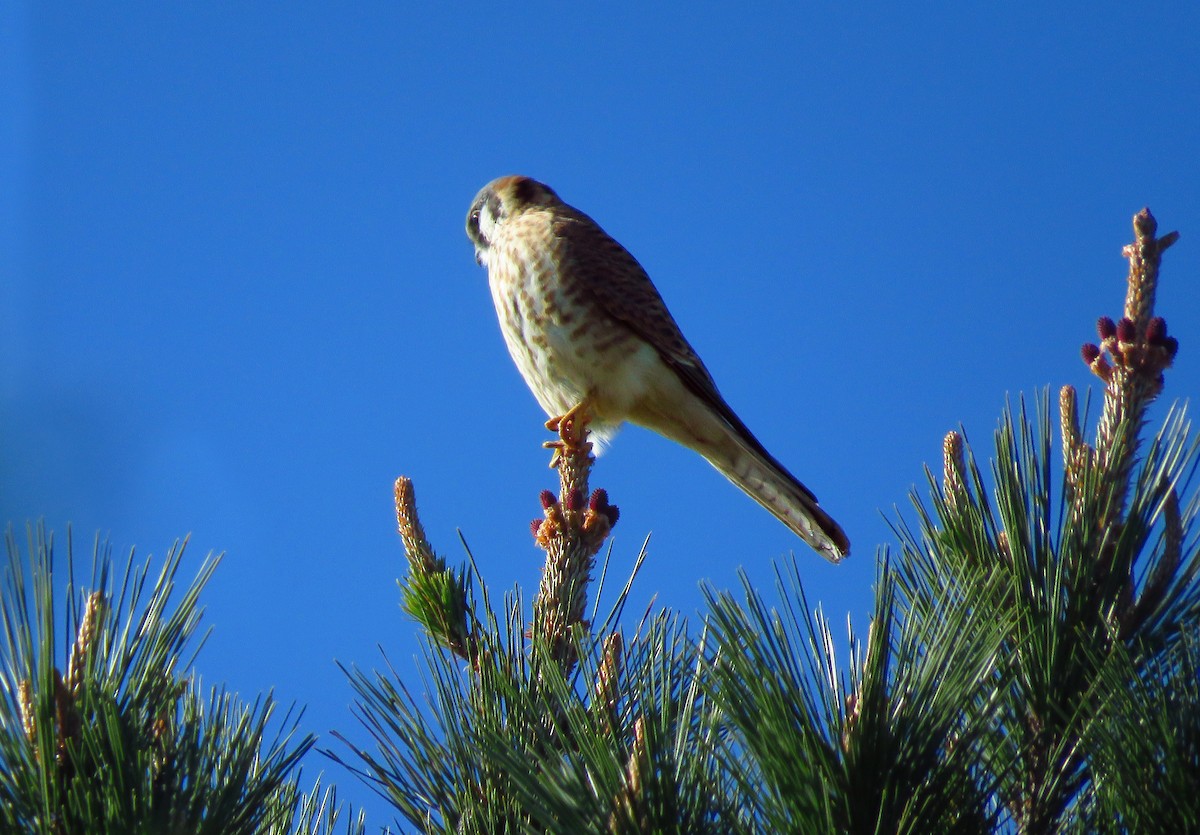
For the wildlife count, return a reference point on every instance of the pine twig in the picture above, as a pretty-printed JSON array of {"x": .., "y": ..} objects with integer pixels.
[
  {"x": 571, "y": 534},
  {"x": 436, "y": 596},
  {"x": 1130, "y": 359}
]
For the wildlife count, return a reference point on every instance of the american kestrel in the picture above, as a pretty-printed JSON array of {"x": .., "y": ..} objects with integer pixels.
[{"x": 589, "y": 331}]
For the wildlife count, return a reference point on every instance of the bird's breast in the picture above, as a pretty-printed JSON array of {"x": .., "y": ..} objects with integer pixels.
[{"x": 565, "y": 346}]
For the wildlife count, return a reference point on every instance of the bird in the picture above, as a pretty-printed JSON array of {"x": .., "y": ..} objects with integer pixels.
[{"x": 590, "y": 334}]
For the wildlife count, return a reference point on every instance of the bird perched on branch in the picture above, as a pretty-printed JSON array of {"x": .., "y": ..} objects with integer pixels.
[{"x": 591, "y": 335}]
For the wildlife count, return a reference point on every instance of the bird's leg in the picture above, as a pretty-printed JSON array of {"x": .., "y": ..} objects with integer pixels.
[
  {"x": 578, "y": 412},
  {"x": 572, "y": 432}
]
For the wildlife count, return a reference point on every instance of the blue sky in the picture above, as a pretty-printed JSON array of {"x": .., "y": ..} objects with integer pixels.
[{"x": 237, "y": 299}]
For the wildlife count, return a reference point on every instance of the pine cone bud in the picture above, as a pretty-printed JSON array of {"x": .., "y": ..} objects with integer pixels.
[
  {"x": 1156, "y": 331},
  {"x": 1126, "y": 332},
  {"x": 1090, "y": 352},
  {"x": 1106, "y": 327},
  {"x": 575, "y": 500},
  {"x": 599, "y": 499},
  {"x": 547, "y": 499}
]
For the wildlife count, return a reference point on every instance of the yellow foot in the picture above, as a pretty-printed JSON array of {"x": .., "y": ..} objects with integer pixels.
[
  {"x": 576, "y": 419},
  {"x": 572, "y": 429},
  {"x": 557, "y": 446}
]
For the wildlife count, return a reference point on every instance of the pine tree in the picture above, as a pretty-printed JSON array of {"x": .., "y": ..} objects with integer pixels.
[{"x": 105, "y": 728}]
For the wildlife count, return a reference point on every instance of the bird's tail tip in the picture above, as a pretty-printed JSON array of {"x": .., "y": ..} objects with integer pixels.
[
  {"x": 835, "y": 552},
  {"x": 829, "y": 540}
]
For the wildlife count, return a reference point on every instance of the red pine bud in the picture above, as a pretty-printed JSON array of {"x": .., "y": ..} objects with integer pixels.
[
  {"x": 547, "y": 499},
  {"x": 1090, "y": 352},
  {"x": 1106, "y": 327},
  {"x": 575, "y": 500},
  {"x": 599, "y": 499},
  {"x": 613, "y": 514},
  {"x": 1126, "y": 331},
  {"x": 534, "y": 527},
  {"x": 1156, "y": 331},
  {"x": 1172, "y": 346}
]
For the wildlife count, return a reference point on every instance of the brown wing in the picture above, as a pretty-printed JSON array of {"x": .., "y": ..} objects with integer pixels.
[{"x": 622, "y": 288}]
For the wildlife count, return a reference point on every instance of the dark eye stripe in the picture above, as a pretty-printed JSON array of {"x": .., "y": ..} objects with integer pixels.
[{"x": 496, "y": 207}]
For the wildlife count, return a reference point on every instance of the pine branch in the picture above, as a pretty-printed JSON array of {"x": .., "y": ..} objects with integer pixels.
[
  {"x": 1062, "y": 566},
  {"x": 1131, "y": 358},
  {"x": 875, "y": 745},
  {"x": 127, "y": 740},
  {"x": 437, "y": 597},
  {"x": 571, "y": 535}
]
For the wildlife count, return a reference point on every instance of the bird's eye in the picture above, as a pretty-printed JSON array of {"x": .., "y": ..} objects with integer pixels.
[{"x": 475, "y": 218}]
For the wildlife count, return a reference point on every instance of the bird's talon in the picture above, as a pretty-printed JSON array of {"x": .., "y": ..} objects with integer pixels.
[
  {"x": 558, "y": 447},
  {"x": 574, "y": 420}
]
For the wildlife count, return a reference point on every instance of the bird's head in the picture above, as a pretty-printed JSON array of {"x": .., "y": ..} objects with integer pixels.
[{"x": 497, "y": 202}]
